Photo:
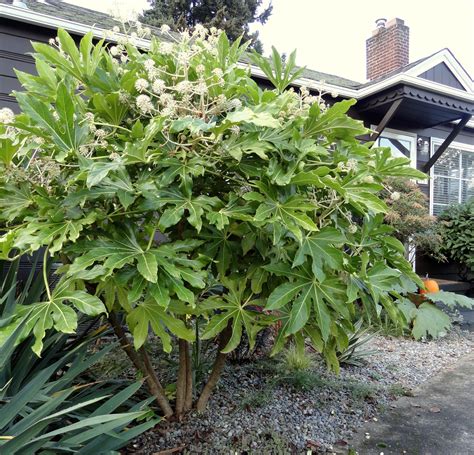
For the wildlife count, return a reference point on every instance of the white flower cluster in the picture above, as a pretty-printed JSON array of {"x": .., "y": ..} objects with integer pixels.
[
  {"x": 158, "y": 86},
  {"x": 100, "y": 134},
  {"x": 350, "y": 165},
  {"x": 141, "y": 84},
  {"x": 395, "y": 196},
  {"x": 6, "y": 116},
  {"x": 144, "y": 104},
  {"x": 165, "y": 29},
  {"x": 352, "y": 229}
]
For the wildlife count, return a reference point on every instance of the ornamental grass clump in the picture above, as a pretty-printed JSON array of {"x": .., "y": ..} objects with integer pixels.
[{"x": 154, "y": 175}]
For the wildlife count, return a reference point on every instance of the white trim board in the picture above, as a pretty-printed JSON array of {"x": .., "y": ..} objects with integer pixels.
[{"x": 444, "y": 56}]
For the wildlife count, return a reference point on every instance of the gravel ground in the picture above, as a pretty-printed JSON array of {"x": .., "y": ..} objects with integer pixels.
[{"x": 252, "y": 413}]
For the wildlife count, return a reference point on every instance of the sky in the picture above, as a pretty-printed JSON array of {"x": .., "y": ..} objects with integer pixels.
[{"x": 329, "y": 36}]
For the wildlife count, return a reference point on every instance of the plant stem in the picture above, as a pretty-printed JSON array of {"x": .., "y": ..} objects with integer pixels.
[
  {"x": 157, "y": 389},
  {"x": 143, "y": 365},
  {"x": 45, "y": 275},
  {"x": 188, "y": 399},
  {"x": 150, "y": 241},
  {"x": 181, "y": 380},
  {"x": 216, "y": 370}
]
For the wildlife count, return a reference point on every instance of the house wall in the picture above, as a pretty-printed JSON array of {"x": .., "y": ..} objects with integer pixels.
[{"x": 15, "y": 47}]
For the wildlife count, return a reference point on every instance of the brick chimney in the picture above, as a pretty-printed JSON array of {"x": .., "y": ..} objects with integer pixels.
[{"x": 387, "y": 48}]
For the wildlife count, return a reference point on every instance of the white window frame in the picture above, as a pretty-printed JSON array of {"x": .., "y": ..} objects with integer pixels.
[
  {"x": 438, "y": 141},
  {"x": 401, "y": 135}
]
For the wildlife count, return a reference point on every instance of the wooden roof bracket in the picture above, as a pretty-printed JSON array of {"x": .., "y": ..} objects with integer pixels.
[
  {"x": 447, "y": 142},
  {"x": 386, "y": 119}
]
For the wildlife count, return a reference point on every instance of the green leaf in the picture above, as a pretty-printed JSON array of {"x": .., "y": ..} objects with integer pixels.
[
  {"x": 450, "y": 299},
  {"x": 40, "y": 233},
  {"x": 45, "y": 315},
  {"x": 320, "y": 247},
  {"x": 147, "y": 266},
  {"x": 430, "y": 320},
  {"x": 149, "y": 313},
  {"x": 84, "y": 302},
  {"x": 246, "y": 115},
  {"x": 99, "y": 170}
]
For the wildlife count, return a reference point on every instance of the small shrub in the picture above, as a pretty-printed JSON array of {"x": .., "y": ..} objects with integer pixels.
[
  {"x": 356, "y": 353},
  {"x": 300, "y": 380},
  {"x": 457, "y": 233},
  {"x": 296, "y": 359},
  {"x": 398, "y": 390},
  {"x": 408, "y": 213},
  {"x": 361, "y": 391}
]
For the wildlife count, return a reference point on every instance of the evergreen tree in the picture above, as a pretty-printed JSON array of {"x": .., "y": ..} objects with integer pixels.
[{"x": 232, "y": 16}]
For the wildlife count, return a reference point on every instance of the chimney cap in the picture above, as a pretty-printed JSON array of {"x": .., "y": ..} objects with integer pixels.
[{"x": 380, "y": 22}]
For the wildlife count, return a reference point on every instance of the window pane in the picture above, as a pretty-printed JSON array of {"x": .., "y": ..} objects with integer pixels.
[
  {"x": 400, "y": 147},
  {"x": 448, "y": 163},
  {"x": 467, "y": 190},
  {"x": 445, "y": 190},
  {"x": 468, "y": 165}
]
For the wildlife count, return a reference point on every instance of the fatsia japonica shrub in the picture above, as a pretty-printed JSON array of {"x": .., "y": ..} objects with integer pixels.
[{"x": 173, "y": 189}]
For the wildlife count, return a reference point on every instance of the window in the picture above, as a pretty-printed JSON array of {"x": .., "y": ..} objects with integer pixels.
[
  {"x": 452, "y": 176},
  {"x": 402, "y": 144}
]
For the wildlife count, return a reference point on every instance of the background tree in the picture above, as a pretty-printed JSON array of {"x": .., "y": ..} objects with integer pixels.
[{"x": 232, "y": 16}]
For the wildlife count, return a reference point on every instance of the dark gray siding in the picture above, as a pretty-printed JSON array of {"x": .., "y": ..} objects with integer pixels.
[
  {"x": 15, "y": 46},
  {"x": 443, "y": 75}
]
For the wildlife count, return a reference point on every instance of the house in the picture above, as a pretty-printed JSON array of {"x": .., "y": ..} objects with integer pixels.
[{"x": 422, "y": 110}]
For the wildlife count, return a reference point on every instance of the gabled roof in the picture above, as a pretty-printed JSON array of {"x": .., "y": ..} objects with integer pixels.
[{"x": 418, "y": 67}]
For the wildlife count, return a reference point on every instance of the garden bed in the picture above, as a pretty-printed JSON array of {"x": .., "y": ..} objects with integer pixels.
[{"x": 252, "y": 412}]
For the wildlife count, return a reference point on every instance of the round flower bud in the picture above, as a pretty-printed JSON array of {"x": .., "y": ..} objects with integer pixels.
[
  {"x": 6, "y": 116},
  {"x": 352, "y": 229},
  {"x": 141, "y": 84},
  {"x": 395, "y": 196}
]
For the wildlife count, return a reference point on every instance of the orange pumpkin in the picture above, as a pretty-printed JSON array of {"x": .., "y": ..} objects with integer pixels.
[{"x": 430, "y": 286}]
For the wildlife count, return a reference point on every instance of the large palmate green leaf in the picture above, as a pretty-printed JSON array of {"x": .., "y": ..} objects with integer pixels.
[
  {"x": 320, "y": 247},
  {"x": 237, "y": 310},
  {"x": 430, "y": 320},
  {"x": 450, "y": 299},
  {"x": 56, "y": 313},
  {"x": 291, "y": 214},
  {"x": 54, "y": 233},
  {"x": 334, "y": 122},
  {"x": 150, "y": 314},
  {"x": 176, "y": 204},
  {"x": 14, "y": 201},
  {"x": 308, "y": 296}
]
